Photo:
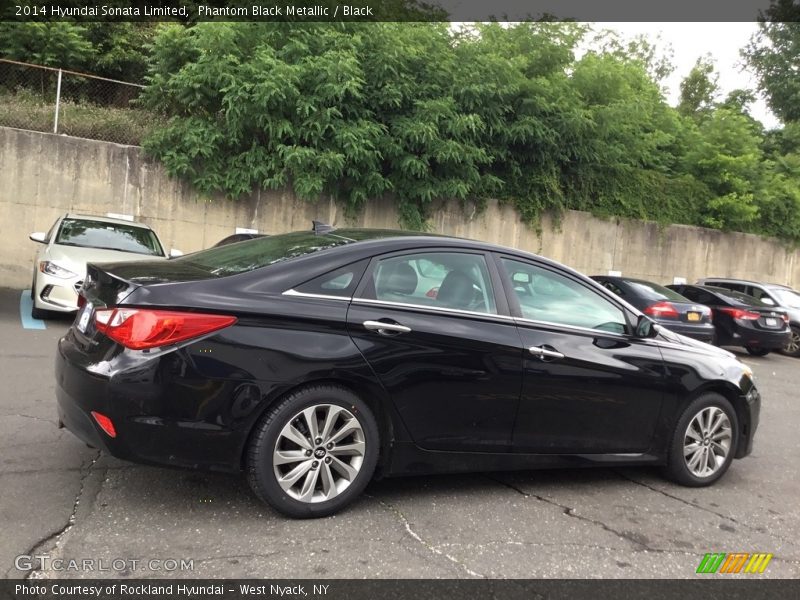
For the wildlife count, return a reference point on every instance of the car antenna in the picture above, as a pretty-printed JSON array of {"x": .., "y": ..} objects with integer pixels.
[{"x": 320, "y": 227}]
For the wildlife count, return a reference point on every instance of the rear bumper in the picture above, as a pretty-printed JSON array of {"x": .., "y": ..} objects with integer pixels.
[
  {"x": 134, "y": 395},
  {"x": 703, "y": 332},
  {"x": 771, "y": 340}
]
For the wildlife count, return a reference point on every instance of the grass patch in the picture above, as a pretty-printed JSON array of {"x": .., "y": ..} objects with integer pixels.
[{"x": 25, "y": 110}]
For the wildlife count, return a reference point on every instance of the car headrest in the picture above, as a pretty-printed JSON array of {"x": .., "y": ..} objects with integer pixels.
[
  {"x": 456, "y": 290},
  {"x": 397, "y": 278}
]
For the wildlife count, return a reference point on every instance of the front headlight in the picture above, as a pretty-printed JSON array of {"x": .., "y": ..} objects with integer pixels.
[{"x": 53, "y": 269}]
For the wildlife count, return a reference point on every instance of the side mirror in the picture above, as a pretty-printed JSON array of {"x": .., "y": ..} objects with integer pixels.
[
  {"x": 767, "y": 300},
  {"x": 174, "y": 253},
  {"x": 39, "y": 237},
  {"x": 645, "y": 328}
]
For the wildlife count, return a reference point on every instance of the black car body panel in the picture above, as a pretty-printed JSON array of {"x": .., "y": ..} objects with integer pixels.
[{"x": 460, "y": 392}]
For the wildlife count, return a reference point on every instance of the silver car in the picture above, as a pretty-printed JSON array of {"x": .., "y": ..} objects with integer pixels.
[{"x": 73, "y": 241}]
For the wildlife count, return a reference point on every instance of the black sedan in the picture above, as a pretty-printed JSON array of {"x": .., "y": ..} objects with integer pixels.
[
  {"x": 314, "y": 361},
  {"x": 665, "y": 306},
  {"x": 741, "y": 320}
]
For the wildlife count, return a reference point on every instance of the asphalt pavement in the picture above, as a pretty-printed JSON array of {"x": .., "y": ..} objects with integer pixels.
[{"x": 69, "y": 503}]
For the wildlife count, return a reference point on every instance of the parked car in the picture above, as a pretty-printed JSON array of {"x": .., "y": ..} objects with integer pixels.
[
  {"x": 73, "y": 240},
  {"x": 773, "y": 294},
  {"x": 238, "y": 237},
  {"x": 313, "y": 361},
  {"x": 665, "y": 306},
  {"x": 741, "y": 320}
]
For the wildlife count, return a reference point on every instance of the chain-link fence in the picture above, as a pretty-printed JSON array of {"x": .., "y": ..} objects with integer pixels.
[{"x": 71, "y": 103}]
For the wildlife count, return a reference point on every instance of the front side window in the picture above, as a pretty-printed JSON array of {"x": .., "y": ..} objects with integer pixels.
[
  {"x": 86, "y": 233},
  {"x": 544, "y": 295},
  {"x": 451, "y": 280}
]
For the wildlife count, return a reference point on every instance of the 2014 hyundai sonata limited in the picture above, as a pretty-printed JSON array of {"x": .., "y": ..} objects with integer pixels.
[{"x": 314, "y": 361}]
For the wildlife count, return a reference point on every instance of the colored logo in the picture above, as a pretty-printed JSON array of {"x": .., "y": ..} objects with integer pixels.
[{"x": 736, "y": 562}]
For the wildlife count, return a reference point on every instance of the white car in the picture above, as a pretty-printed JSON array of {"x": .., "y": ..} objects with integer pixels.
[{"x": 75, "y": 240}]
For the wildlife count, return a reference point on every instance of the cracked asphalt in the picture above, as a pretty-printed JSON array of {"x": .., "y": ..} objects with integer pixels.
[{"x": 64, "y": 500}]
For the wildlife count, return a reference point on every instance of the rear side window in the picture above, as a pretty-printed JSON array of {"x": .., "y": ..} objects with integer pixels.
[
  {"x": 736, "y": 287},
  {"x": 759, "y": 294},
  {"x": 342, "y": 282}
]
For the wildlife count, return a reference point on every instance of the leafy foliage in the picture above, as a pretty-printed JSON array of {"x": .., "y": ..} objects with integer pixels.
[
  {"x": 774, "y": 54},
  {"x": 425, "y": 112}
]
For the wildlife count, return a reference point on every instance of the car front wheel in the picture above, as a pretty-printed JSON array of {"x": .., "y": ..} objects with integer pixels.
[
  {"x": 314, "y": 452},
  {"x": 704, "y": 441}
]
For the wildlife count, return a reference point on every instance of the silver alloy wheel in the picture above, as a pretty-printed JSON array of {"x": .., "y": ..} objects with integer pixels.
[
  {"x": 707, "y": 441},
  {"x": 793, "y": 343},
  {"x": 319, "y": 453}
]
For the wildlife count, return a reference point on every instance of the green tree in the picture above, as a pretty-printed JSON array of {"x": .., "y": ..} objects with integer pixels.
[
  {"x": 727, "y": 158},
  {"x": 774, "y": 54},
  {"x": 55, "y": 44},
  {"x": 699, "y": 89}
]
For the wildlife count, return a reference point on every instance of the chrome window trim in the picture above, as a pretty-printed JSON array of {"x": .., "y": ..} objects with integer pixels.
[
  {"x": 295, "y": 293},
  {"x": 572, "y": 327},
  {"x": 454, "y": 311}
]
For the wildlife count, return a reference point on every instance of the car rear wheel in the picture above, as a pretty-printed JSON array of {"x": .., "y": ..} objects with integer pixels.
[
  {"x": 314, "y": 452},
  {"x": 792, "y": 347},
  {"x": 753, "y": 351},
  {"x": 704, "y": 442}
]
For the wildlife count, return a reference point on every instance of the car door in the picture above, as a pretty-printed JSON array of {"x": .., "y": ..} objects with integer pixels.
[
  {"x": 443, "y": 345},
  {"x": 588, "y": 386}
]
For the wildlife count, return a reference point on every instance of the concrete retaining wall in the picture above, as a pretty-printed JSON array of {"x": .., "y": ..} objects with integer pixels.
[{"x": 43, "y": 176}]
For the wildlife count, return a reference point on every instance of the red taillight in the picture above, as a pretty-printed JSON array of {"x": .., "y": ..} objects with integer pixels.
[
  {"x": 785, "y": 317},
  {"x": 105, "y": 424},
  {"x": 661, "y": 309},
  {"x": 738, "y": 313},
  {"x": 81, "y": 301},
  {"x": 139, "y": 328}
]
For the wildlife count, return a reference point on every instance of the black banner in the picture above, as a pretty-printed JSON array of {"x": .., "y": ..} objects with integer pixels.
[
  {"x": 396, "y": 10},
  {"x": 708, "y": 588}
]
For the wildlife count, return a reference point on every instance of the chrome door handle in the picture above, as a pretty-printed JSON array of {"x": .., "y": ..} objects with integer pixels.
[
  {"x": 542, "y": 352},
  {"x": 385, "y": 328}
]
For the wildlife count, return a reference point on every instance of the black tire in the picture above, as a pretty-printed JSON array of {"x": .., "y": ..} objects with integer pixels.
[
  {"x": 793, "y": 347},
  {"x": 677, "y": 468},
  {"x": 38, "y": 313},
  {"x": 756, "y": 351},
  {"x": 259, "y": 461}
]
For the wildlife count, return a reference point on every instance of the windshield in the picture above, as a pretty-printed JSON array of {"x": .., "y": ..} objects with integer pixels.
[
  {"x": 241, "y": 257},
  {"x": 653, "y": 291},
  {"x": 788, "y": 298},
  {"x": 108, "y": 236}
]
